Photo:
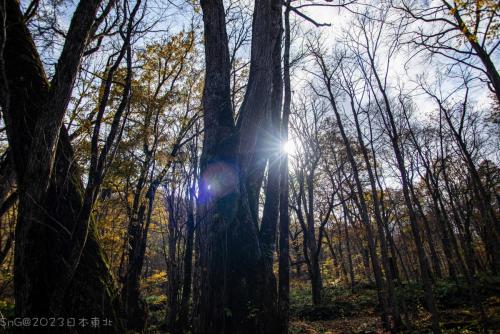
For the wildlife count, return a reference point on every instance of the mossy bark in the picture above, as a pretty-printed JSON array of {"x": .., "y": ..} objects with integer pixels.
[{"x": 44, "y": 242}]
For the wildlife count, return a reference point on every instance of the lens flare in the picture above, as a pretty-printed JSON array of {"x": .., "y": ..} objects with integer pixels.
[{"x": 289, "y": 147}]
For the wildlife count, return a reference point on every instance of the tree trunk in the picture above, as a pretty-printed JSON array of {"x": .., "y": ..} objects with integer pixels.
[
  {"x": 348, "y": 246},
  {"x": 430, "y": 241},
  {"x": 172, "y": 267},
  {"x": 312, "y": 248},
  {"x": 232, "y": 297},
  {"x": 188, "y": 254},
  {"x": 134, "y": 306},
  {"x": 8, "y": 194},
  {"x": 395, "y": 143},
  {"x": 273, "y": 145},
  {"x": 483, "y": 199},
  {"x": 359, "y": 194},
  {"x": 41, "y": 249},
  {"x": 388, "y": 269},
  {"x": 284, "y": 218}
]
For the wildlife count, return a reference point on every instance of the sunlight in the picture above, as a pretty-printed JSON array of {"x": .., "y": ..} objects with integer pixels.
[{"x": 289, "y": 147}]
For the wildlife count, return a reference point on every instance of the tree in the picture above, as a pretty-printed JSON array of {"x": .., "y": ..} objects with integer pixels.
[
  {"x": 463, "y": 32},
  {"x": 232, "y": 297},
  {"x": 45, "y": 170}
]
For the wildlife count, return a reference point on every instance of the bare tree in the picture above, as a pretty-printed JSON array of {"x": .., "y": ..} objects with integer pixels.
[{"x": 463, "y": 32}]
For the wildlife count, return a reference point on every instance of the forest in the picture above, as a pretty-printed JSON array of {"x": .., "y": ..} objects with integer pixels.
[{"x": 249, "y": 166}]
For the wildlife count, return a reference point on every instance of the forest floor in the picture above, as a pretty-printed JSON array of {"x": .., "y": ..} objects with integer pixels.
[
  {"x": 346, "y": 311},
  {"x": 356, "y": 312}
]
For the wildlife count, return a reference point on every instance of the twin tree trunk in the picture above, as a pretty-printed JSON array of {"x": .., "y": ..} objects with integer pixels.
[
  {"x": 49, "y": 214},
  {"x": 237, "y": 282}
]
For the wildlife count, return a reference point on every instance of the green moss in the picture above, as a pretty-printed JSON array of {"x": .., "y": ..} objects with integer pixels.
[{"x": 6, "y": 309}]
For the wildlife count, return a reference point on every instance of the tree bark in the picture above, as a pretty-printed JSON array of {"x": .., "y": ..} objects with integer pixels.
[
  {"x": 232, "y": 298},
  {"x": 284, "y": 218},
  {"x": 188, "y": 260},
  {"x": 41, "y": 249}
]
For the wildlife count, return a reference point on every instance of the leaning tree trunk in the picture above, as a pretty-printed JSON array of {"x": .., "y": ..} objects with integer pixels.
[
  {"x": 389, "y": 274},
  {"x": 42, "y": 248},
  {"x": 360, "y": 200}
]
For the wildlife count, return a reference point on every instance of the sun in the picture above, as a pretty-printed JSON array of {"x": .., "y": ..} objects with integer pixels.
[{"x": 289, "y": 147}]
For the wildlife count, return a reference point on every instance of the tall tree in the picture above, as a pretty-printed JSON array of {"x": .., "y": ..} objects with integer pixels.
[
  {"x": 46, "y": 170},
  {"x": 232, "y": 297}
]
